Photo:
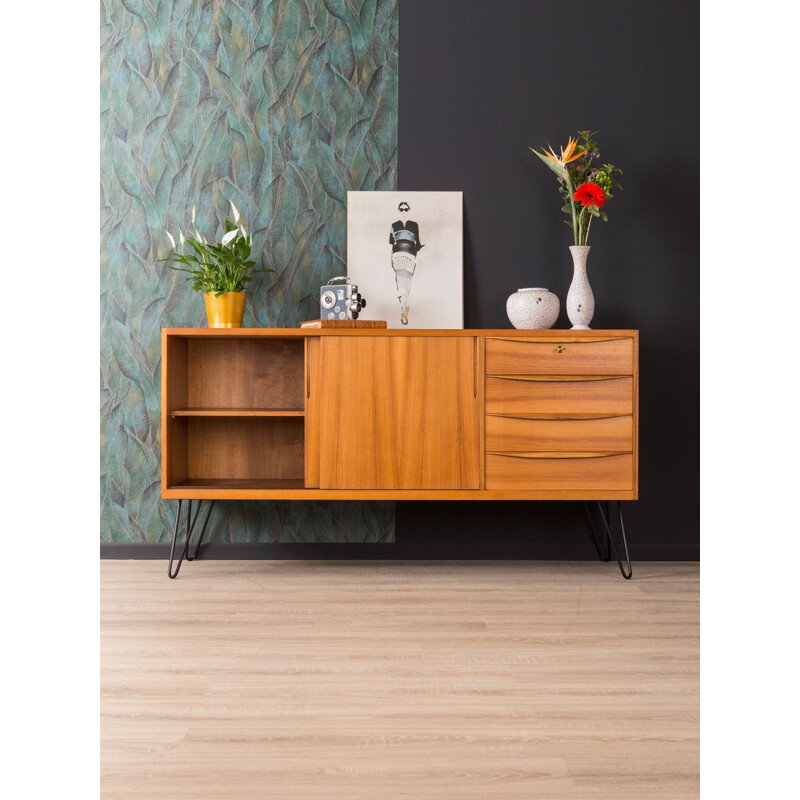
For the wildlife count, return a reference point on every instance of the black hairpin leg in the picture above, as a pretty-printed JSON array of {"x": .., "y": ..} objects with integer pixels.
[
  {"x": 202, "y": 533},
  {"x": 606, "y": 557},
  {"x": 191, "y": 521},
  {"x": 611, "y": 549}
]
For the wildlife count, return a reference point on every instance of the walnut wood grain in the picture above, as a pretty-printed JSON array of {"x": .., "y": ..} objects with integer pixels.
[
  {"x": 567, "y": 357},
  {"x": 447, "y": 389},
  {"x": 585, "y": 471},
  {"x": 636, "y": 413},
  {"x": 263, "y": 484},
  {"x": 231, "y": 492},
  {"x": 398, "y": 413},
  {"x": 237, "y": 412},
  {"x": 174, "y": 394},
  {"x": 312, "y": 428},
  {"x": 246, "y": 373},
  {"x": 513, "y": 433},
  {"x": 344, "y": 324},
  {"x": 494, "y": 333},
  {"x": 508, "y": 396},
  {"x": 243, "y": 448}
]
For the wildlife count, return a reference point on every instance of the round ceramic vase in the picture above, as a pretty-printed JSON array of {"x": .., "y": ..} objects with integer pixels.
[
  {"x": 580, "y": 299},
  {"x": 532, "y": 309}
]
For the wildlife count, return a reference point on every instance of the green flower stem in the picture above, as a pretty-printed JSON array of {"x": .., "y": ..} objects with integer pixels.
[
  {"x": 575, "y": 229},
  {"x": 586, "y": 240}
]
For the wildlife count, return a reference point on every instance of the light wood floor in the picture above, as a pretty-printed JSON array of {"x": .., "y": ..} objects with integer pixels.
[{"x": 370, "y": 680}]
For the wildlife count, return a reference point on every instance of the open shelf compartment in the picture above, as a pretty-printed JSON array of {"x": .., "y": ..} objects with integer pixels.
[
  {"x": 233, "y": 451},
  {"x": 234, "y": 413}
]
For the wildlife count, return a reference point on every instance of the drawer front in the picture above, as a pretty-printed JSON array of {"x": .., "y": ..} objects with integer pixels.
[
  {"x": 516, "y": 396},
  {"x": 505, "y": 434},
  {"x": 532, "y": 357},
  {"x": 576, "y": 473}
]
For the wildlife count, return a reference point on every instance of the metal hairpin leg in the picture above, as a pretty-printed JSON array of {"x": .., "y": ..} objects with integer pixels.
[
  {"x": 611, "y": 548},
  {"x": 606, "y": 557},
  {"x": 202, "y": 533},
  {"x": 190, "y": 523}
]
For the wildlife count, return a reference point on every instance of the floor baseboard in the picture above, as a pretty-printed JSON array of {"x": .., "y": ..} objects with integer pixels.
[{"x": 388, "y": 552}]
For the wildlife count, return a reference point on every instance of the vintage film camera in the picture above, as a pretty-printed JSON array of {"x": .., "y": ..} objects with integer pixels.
[{"x": 340, "y": 300}]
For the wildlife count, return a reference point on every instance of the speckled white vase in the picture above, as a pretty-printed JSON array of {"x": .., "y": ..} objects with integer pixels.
[
  {"x": 533, "y": 309},
  {"x": 580, "y": 300}
]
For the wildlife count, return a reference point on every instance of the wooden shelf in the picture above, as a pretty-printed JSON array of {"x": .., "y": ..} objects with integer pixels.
[
  {"x": 237, "y": 412},
  {"x": 240, "y": 483}
]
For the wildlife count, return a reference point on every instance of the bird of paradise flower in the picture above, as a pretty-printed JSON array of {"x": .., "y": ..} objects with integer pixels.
[{"x": 559, "y": 165}]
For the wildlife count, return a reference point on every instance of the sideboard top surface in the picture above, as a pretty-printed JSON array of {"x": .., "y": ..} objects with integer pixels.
[{"x": 503, "y": 333}]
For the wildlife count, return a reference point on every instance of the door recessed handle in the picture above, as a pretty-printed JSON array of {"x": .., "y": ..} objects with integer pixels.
[
  {"x": 475, "y": 368},
  {"x": 308, "y": 368}
]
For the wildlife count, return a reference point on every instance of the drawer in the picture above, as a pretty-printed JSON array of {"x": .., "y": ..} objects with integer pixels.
[
  {"x": 564, "y": 397},
  {"x": 515, "y": 433},
  {"x": 559, "y": 471},
  {"x": 535, "y": 357}
]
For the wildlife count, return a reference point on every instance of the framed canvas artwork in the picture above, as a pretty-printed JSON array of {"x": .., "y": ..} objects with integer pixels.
[{"x": 405, "y": 252}]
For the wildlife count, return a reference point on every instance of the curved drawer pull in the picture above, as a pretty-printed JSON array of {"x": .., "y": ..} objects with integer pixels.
[
  {"x": 559, "y": 454},
  {"x": 556, "y": 417},
  {"x": 553, "y": 339},
  {"x": 560, "y": 349},
  {"x": 557, "y": 378}
]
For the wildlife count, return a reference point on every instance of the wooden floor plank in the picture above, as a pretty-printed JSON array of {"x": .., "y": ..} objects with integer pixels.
[{"x": 399, "y": 679}]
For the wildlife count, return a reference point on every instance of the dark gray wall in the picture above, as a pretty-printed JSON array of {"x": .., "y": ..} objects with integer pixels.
[{"x": 479, "y": 83}]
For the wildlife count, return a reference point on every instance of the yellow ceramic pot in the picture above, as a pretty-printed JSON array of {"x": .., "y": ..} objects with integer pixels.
[{"x": 225, "y": 311}]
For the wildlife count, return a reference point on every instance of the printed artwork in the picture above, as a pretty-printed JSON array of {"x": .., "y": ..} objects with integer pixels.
[
  {"x": 280, "y": 107},
  {"x": 405, "y": 252}
]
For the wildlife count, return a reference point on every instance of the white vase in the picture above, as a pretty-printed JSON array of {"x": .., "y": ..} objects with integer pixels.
[
  {"x": 580, "y": 300},
  {"x": 533, "y": 309}
]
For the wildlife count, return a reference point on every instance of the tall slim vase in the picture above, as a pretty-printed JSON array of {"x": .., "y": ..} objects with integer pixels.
[{"x": 580, "y": 300}]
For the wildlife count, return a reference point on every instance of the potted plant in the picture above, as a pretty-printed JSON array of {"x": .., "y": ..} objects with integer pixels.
[
  {"x": 589, "y": 184},
  {"x": 221, "y": 270}
]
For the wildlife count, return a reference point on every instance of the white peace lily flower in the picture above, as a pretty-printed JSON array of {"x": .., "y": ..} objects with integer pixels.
[
  {"x": 235, "y": 213},
  {"x": 230, "y": 236},
  {"x": 194, "y": 209},
  {"x": 171, "y": 240},
  {"x": 244, "y": 232}
]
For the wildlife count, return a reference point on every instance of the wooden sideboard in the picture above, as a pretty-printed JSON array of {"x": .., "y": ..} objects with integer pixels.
[{"x": 274, "y": 413}]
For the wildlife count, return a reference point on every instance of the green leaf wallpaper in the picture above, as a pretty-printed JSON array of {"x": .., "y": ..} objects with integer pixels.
[{"x": 281, "y": 106}]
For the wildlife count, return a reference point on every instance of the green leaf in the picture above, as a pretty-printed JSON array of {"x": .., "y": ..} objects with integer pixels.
[{"x": 557, "y": 168}]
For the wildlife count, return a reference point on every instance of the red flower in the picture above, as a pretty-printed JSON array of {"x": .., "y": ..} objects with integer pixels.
[{"x": 590, "y": 194}]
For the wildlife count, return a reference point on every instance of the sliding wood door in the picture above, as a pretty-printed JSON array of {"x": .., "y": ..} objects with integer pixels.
[{"x": 396, "y": 412}]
